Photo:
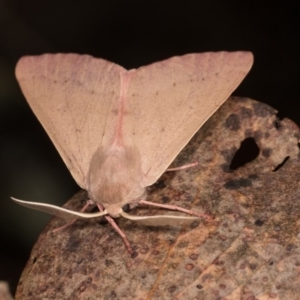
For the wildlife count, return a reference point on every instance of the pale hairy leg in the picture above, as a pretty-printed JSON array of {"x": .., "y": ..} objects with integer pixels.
[
  {"x": 174, "y": 207},
  {"x": 88, "y": 203},
  {"x": 178, "y": 208},
  {"x": 117, "y": 228}
]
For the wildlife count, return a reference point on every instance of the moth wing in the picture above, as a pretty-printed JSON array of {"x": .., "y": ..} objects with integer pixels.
[
  {"x": 61, "y": 212},
  {"x": 75, "y": 97},
  {"x": 170, "y": 100}
]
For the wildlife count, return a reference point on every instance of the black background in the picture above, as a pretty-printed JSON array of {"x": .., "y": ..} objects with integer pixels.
[{"x": 130, "y": 33}]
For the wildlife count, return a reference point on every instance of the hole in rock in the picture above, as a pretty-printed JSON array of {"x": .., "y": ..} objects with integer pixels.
[
  {"x": 281, "y": 165},
  {"x": 247, "y": 152}
]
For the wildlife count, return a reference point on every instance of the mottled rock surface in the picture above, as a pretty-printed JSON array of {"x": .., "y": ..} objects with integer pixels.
[{"x": 251, "y": 249}]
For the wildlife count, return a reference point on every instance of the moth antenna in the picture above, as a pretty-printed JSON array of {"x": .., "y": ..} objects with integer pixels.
[
  {"x": 61, "y": 212},
  {"x": 88, "y": 203},
  {"x": 159, "y": 220}
]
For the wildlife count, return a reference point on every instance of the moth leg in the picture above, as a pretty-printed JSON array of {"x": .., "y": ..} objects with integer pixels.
[
  {"x": 174, "y": 207},
  {"x": 88, "y": 203},
  {"x": 182, "y": 167},
  {"x": 117, "y": 228}
]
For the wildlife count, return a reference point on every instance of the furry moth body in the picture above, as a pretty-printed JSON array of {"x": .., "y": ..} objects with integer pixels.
[{"x": 117, "y": 130}]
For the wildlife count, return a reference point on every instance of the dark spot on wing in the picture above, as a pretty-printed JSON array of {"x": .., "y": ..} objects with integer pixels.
[{"x": 115, "y": 111}]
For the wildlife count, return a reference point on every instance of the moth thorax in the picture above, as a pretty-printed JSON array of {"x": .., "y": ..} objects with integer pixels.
[{"x": 115, "y": 176}]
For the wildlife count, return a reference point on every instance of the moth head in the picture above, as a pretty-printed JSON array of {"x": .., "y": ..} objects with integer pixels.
[
  {"x": 116, "y": 197},
  {"x": 114, "y": 210}
]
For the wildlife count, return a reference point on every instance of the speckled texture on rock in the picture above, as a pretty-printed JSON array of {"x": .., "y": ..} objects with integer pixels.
[{"x": 251, "y": 250}]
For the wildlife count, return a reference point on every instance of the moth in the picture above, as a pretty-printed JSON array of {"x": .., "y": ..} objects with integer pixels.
[{"x": 118, "y": 130}]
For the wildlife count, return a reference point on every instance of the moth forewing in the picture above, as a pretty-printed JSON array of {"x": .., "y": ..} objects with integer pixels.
[{"x": 117, "y": 130}]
